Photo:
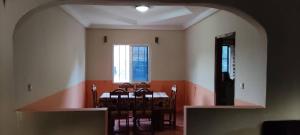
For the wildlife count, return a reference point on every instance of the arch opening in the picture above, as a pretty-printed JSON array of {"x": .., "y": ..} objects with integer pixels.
[{"x": 77, "y": 71}]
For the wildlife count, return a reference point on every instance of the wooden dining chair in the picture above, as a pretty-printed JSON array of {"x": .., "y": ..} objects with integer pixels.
[
  {"x": 170, "y": 108},
  {"x": 119, "y": 109},
  {"x": 142, "y": 85},
  {"x": 95, "y": 96},
  {"x": 143, "y": 109},
  {"x": 126, "y": 86}
]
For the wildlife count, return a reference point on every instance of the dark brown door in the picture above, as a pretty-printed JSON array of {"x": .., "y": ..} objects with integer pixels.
[{"x": 224, "y": 80}]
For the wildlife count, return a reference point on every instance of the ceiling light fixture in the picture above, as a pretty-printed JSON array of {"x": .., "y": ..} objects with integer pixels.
[{"x": 142, "y": 8}]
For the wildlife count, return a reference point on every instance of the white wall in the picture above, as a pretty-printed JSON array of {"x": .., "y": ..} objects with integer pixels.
[
  {"x": 251, "y": 55},
  {"x": 49, "y": 49},
  {"x": 166, "y": 58}
]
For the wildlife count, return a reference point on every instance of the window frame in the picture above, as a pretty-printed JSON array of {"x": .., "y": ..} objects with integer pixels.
[{"x": 130, "y": 63}]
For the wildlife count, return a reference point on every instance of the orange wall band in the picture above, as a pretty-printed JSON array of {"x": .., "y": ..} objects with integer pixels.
[
  {"x": 80, "y": 96},
  {"x": 155, "y": 85},
  {"x": 188, "y": 93}
]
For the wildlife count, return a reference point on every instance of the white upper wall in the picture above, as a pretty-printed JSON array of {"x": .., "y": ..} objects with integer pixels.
[
  {"x": 166, "y": 58},
  {"x": 251, "y": 55},
  {"x": 49, "y": 50}
]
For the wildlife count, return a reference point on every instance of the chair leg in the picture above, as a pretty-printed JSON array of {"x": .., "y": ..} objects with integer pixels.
[
  {"x": 134, "y": 125},
  {"x": 138, "y": 122},
  {"x": 111, "y": 126},
  {"x": 127, "y": 125},
  {"x": 174, "y": 120},
  {"x": 119, "y": 122},
  {"x": 170, "y": 119},
  {"x": 152, "y": 127}
]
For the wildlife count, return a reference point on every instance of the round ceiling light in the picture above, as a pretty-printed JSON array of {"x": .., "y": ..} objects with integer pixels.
[{"x": 142, "y": 8}]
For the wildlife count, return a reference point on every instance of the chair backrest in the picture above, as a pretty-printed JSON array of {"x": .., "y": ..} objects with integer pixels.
[
  {"x": 118, "y": 99},
  {"x": 94, "y": 95},
  {"x": 119, "y": 93},
  {"x": 142, "y": 85},
  {"x": 143, "y": 99},
  {"x": 173, "y": 97},
  {"x": 126, "y": 86}
]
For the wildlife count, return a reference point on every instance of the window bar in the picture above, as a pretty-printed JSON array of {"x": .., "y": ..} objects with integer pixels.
[
  {"x": 228, "y": 58},
  {"x": 125, "y": 62},
  {"x": 145, "y": 62},
  {"x": 119, "y": 62}
]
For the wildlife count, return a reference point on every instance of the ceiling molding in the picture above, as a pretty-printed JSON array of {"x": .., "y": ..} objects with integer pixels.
[
  {"x": 200, "y": 17},
  {"x": 166, "y": 15},
  {"x": 155, "y": 27},
  {"x": 118, "y": 17},
  {"x": 74, "y": 14},
  {"x": 114, "y": 19}
]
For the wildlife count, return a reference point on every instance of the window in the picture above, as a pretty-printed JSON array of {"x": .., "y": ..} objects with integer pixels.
[
  {"x": 140, "y": 63},
  {"x": 131, "y": 63},
  {"x": 228, "y": 60},
  {"x": 225, "y": 58}
]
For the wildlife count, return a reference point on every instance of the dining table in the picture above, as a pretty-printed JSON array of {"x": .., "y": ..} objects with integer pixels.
[{"x": 160, "y": 99}]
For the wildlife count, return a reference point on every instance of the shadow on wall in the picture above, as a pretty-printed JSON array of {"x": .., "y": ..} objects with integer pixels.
[
  {"x": 62, "y": 123},
  {"x": 49, "y": 54},
  {"x": 243, "y": 131}
]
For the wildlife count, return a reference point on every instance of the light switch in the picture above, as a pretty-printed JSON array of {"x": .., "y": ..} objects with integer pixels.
[
  {"x": 29, "y": 87},
  {"x": 242, "y": 86}
]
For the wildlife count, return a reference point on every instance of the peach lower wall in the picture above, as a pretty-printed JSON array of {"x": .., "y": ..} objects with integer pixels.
[
  {"x": 73, "y": 97},
  {"x": 241, "y": 103},
  {"x": 80, "y": 96},
  {"x": 196, "y": 95},
  {"x": 188, "y": 93}
]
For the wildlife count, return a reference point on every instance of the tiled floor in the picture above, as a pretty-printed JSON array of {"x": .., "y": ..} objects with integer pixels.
[{"x": 165, "y": 131}]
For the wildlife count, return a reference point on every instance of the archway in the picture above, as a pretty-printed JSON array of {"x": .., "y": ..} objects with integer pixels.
[
  {"x": 239, "y": 13},
  {"x": 250, "y": 19}
]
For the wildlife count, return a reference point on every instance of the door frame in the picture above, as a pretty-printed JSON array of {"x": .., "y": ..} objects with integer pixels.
[{"x": 218, "y": 62}]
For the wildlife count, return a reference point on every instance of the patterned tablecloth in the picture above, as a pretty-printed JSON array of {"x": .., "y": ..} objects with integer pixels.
[{"x": 160, "y": 98}]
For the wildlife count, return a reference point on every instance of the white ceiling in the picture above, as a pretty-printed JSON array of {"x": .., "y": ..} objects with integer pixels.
[{"x": 126, "y": 17}]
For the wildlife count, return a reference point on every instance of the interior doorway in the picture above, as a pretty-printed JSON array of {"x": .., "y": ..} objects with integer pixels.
[{"x": 225, "y": 69}]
